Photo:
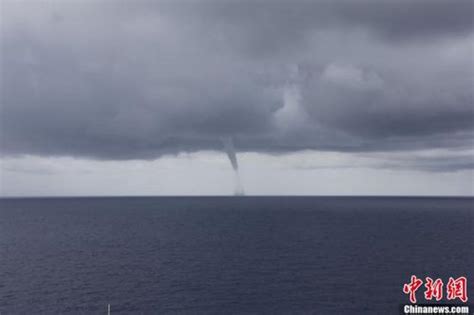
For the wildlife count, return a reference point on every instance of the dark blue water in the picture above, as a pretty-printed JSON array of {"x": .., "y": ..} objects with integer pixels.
[{"x": 207, "y": 255}]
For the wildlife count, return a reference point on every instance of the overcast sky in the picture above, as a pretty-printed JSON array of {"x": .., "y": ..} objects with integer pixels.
[{"x": 140, "y": 97}]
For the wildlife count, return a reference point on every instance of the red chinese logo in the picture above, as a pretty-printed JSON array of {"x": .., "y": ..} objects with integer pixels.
[
  {"x": 434, "y": 289},
  {"x": 411, "y": 288},
  {"x": 455, "y": 289}
]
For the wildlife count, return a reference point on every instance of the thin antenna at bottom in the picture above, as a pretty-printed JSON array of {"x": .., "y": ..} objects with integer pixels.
[{"x": 108, "y": 309}]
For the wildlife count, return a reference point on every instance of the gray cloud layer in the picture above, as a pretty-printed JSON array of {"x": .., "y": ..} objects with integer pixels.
[{"x": 122, "y": 80}]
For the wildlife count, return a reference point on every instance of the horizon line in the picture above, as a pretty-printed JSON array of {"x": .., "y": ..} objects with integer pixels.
[{"x": 233, "y": 196}]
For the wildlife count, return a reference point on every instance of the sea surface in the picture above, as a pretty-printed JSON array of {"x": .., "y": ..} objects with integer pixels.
[{"x": 228, "y": 255}]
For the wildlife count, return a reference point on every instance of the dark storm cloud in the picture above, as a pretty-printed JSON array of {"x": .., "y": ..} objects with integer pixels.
[
  {"x": 412, "y": 19},
  {"x": 450, "y": 164},
  {"x": 123, "y": 80},
  {"x": 269, "y": 26}
]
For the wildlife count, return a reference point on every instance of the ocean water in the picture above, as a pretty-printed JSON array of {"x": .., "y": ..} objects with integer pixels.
[{"x": 228, "y": 255}]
